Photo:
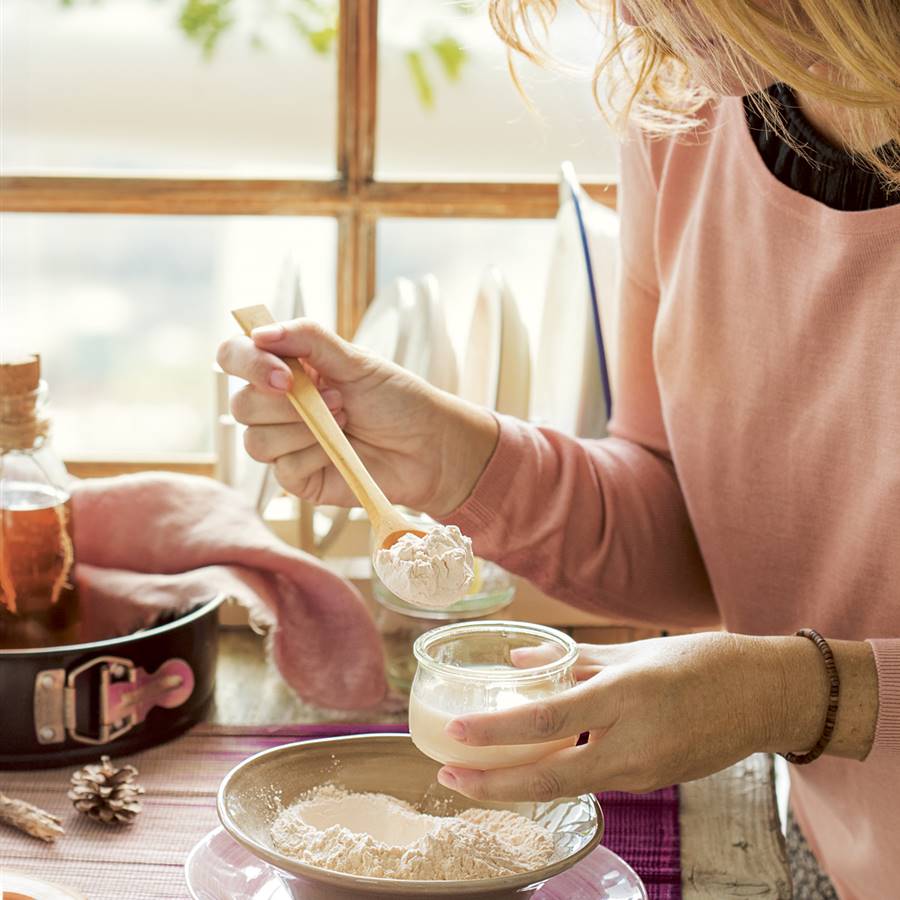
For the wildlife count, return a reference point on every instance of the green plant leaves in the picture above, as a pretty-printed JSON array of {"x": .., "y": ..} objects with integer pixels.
[
  {"x": 451, "y": 57},
  {"x": 205, "y": 21},
  {"x": 316, "y": 21},
  {"x": 420, "y": 78}
]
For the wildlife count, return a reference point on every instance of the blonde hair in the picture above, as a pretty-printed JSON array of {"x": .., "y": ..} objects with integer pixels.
[{"x": 649, "y": 82}]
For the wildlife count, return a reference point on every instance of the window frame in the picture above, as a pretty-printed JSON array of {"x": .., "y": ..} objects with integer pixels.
[{"x": 354, "y": 198}]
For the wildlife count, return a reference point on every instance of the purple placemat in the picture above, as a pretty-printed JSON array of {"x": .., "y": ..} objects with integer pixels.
[{"x": 641, "y": 828}]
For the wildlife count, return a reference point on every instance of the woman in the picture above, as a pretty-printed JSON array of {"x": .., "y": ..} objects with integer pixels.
[{"x": 752, "y": 476}]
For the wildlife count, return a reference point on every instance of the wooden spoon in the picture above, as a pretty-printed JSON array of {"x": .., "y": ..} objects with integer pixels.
[{"x": 388, "y": 523}]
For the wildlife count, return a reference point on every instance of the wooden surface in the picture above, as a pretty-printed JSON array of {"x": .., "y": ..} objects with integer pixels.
[
  {"x": 249, "y": 691},
  {"x": 731, "y": 842}
]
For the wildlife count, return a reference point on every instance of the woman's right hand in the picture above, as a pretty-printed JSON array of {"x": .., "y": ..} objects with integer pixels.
[{"x": 425, "y": 448}]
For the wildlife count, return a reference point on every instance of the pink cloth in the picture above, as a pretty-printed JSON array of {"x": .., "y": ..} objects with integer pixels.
[
  {"x": 154, "y": 543},
  {"x": 754, "y": 470}
]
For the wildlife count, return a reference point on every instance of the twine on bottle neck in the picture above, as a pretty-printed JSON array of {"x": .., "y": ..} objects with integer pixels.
[{"x": 23, "y": 424}]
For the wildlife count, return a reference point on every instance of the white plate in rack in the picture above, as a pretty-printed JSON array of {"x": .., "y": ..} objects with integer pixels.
[
  {"x": 385, "y": 327},
  {"x": 514, "y": 377},
  {"x": 480, "y": 374},
  {"x": 497, "y": 368},
  {"x": 429, "y": 351},
  {"x": 569, "y": 395}
]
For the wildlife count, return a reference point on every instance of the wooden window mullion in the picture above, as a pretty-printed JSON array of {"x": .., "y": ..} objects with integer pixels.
[
  {"x": 125, "y": 195},
  {"x": 476, "y": 200},
  {"x": 216, "y": 197},
  {"x": 357, "y": 81}
]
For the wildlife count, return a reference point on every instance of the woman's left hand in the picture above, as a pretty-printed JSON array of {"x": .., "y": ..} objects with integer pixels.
[{"x": 659, "y": 712}]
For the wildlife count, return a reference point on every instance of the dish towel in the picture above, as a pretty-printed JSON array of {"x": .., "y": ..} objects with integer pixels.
[{"x": 156, "y": 544}]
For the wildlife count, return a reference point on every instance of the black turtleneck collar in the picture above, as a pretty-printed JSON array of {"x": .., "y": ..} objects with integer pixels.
[{"x": 825, "y": 173}]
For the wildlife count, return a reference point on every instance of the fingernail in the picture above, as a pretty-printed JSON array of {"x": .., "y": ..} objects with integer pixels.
[
  {"x": 456, "y": 730},
  {"x": 279, "y": 380},
  {"x": 447, "y": 779},
  {"x": 268, "y": 332}
]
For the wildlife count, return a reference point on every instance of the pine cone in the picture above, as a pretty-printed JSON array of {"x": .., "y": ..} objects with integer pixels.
[{"x": 106, "y": 793}]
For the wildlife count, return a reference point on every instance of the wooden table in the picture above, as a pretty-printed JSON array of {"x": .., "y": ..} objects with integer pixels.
[{"x": 731, "y": 843}]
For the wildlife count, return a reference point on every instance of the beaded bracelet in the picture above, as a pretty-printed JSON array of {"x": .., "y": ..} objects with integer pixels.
[{"x": 834, "y": 694}]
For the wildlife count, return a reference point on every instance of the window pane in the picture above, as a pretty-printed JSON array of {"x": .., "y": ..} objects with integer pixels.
[
  {"x": 236, "y": 87},
  {"x": 458, "y": 251},
  {"x": 127, "y": 311},
  {"x": 447, "y": 107}
]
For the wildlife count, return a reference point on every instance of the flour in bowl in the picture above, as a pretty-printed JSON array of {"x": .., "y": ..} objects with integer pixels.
[
  {"x": 434, "y": 571},
  {"x": 378, "y": 836}
]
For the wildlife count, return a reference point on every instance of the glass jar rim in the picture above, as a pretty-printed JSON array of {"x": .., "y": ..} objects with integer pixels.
[{"x": 547, "y": 634}]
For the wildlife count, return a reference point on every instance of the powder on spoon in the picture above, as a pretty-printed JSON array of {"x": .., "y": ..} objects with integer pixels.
[
  {"x": 434, "y": 571},
  {"x": 379, "y": 836}
]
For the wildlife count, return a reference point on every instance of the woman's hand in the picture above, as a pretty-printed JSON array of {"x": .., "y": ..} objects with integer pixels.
[
  {"x": 659, "y": 712},
  {"x": 425, "y": 448}
]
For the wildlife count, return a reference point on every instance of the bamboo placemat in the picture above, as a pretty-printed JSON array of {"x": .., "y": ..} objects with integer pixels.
[{"x": 145, "y": 861}]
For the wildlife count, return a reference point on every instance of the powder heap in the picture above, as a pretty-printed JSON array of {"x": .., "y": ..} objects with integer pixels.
[
  {"x": 433, "y": 571},
  {"x": 379, "y": 836}
]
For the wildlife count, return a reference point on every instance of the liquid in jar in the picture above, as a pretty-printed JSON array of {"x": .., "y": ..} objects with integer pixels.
[{"x": 428, "y": 721}]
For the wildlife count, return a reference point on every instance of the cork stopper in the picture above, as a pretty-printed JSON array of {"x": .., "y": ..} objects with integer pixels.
[
  {"x": 20, "y": 375},
  {"x": 23, "y": 417}
]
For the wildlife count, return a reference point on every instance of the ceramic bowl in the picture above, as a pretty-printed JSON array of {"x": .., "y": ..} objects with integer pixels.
[{"x": 253, "y": 793}]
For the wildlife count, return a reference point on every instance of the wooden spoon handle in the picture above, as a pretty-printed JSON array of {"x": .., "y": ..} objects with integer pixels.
[{"x": 306, "y": 399}]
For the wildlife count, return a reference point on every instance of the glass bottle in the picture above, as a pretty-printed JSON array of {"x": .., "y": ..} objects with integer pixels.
[{"x": 38, "y": 600}]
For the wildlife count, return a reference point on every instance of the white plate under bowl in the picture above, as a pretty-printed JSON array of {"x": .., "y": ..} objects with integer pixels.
[
  {"x": 218, "y": 868},
  {"x": 20, "y": 884}
]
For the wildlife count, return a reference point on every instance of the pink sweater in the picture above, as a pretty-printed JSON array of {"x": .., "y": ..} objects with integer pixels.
[{"x": 753, "y": 475}]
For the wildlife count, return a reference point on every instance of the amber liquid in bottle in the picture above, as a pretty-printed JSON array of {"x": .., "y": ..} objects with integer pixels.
[{"x": 38, "y": 602}]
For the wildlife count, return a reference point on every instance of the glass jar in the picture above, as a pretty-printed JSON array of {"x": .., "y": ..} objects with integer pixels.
[
  {"x": 38, "y": 601},
  {"x": 468, "y": 668},
  {"x": 400, "y": 623}
]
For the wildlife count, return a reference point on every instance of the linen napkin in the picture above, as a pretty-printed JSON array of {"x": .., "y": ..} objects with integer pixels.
[{"x": 157, "y": 543}]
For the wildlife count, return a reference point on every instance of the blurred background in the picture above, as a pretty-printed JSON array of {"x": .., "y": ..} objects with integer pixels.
[{"x": 127, "y": 310}]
